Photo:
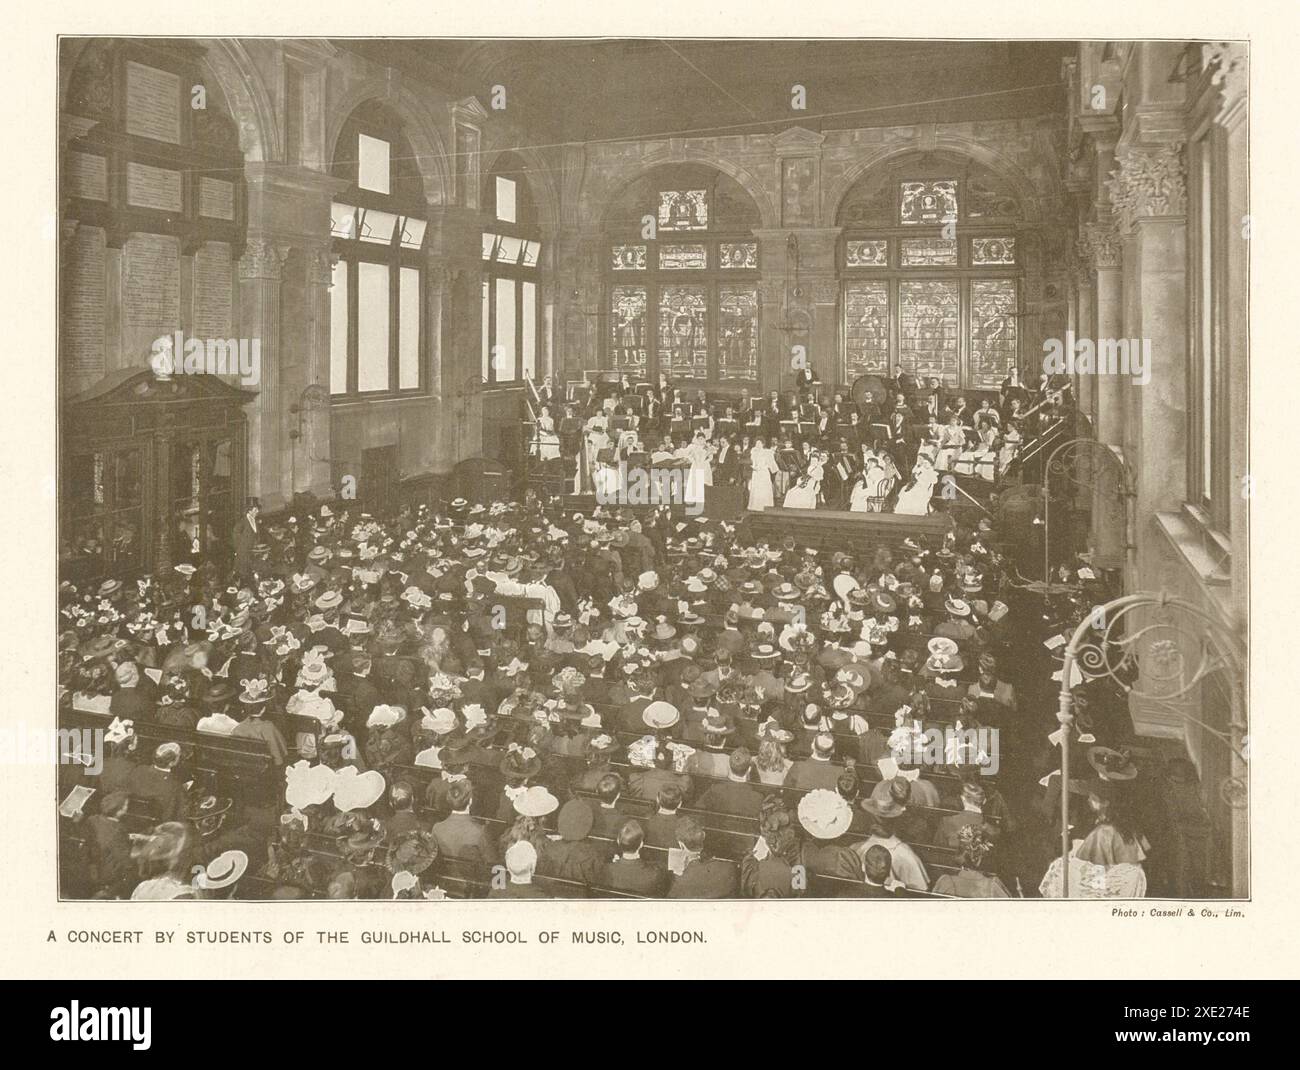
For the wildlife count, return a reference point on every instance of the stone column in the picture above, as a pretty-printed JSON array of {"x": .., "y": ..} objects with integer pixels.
[
  {"x": 260, "y": 272},
  {"x": 1148, "y": 192},
  {"x": 1110, "y": 392},
  {"x": 311, "y": 470}
]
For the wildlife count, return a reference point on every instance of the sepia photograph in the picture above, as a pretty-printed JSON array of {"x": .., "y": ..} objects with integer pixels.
[{"x": 651, "y": 468}]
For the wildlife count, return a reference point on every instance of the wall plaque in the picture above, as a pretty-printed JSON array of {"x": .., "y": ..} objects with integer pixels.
[
  {"x": 153, "y": 103},
  {"x": 216, "y": 198},
  {"x": 213, "y": 291},
  {"x": 151, "y": 282},
  {"x": 87, "y": 175},
  {"x": 83, "y": 309},
  {"x": 153, "y": 187}
]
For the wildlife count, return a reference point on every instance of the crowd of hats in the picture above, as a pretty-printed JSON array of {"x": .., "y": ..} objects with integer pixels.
[{"x": 637, "y": 594}]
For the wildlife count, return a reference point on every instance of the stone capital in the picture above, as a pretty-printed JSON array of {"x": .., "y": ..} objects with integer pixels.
[
  {"x": 321, "y": 266},
  {"x": 1148, "y": 183},
  {"x": 1099, "y": 246},
  {"x": 263, "y": 259}
]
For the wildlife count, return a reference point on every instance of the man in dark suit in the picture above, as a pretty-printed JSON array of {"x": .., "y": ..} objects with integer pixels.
[
  {"x": 245, "y": 536},
  {"x": 132, "y": 701},
  {"x": 609, "y": 816},
  {"x": 661, "y": 826},
  {"x": 703, "y": 877},
  {"x": 817, "y": 770},
  {"x": 460, "y": 835},
  {"x": 735, "y": 795},
  {"x": 629, "y": 872},
  {"x": 878, "y": 865},
  {"x": 110, "y": 847},
  {"x": 160, "y": 784}
]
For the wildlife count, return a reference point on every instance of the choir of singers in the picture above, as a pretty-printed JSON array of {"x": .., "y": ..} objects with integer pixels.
[{"x": 797, "y": 450}]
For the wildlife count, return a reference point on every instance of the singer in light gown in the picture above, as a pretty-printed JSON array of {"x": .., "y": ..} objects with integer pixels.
[
  {"x": 914, "y": 499},
  {"x": 804, "y": 494},
  {"x": 760, "y": 482},
  {"x": 700, "y": 455}
]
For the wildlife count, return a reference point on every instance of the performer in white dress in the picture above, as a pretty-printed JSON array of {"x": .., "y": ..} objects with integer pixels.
[
  {"x": 952, "y": 441},
  {"x": 871, "y": 486},
  {"x": 547, "y": 445},
  {"x": 700, "y": 475},
  {"x": 1010, "y": 446},
  {"x": 914, "y": 499},
  {"x": 804, "y": 494},
  {"x": 595, "y": 439},
  {"x": 760, "y": 482}
]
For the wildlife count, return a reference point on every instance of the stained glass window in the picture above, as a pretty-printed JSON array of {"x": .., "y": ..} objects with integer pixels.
[
  {"x": 627, "y": 258},
  {"x": 738, "y": 333},
  {"x": 928, "y": 202},
  {"x": 866, "y": 329},
  {"x": 992, "y": 251},
  {"x": 927, "y": 328},
  {"x": 683, "y": 257},
  {"x": 696, "y": 311},
  {"x": 929, "y": 252},
  {"x": 992, "y": 330},
  {"x": 627, "y": 320},
  {"x": 870, "y": 253},
  {"x": 683, "y": 209},
  {"x": 738, "y": 255},
  {"x": 683, "y": 333}
]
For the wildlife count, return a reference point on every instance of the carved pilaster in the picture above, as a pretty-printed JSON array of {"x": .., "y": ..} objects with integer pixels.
[{"x": 1148, "y": 183}]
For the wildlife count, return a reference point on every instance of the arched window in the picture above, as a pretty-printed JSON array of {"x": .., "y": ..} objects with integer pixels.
[
  {"x": 512, "y": 251},
  {"x": 377, "y": 331},
  {"x": 682, "y": 277},
  {"x": 931, "y": 274}
]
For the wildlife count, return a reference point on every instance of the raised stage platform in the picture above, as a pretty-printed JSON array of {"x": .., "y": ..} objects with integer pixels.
[{"x": 830, "y": 530}]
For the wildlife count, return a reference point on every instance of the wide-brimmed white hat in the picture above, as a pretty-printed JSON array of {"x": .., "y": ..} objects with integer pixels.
[
  {"x": 536, "y": 802},
  {"x": 222, "y": 871},
  {"x": 825, "y": 814},
  {"x": 661, "y": 715},
  {"x": 942, "y": 646}
]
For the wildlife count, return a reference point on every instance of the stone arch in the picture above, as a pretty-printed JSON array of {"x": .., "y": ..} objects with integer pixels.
[
  {"x": 247, "y": 98},
  {"x": 615, "y": 184},
  {"x": 545, "y": 195},
  {"x": 418, "y": 125},
  {"x": 1028, "y": 195},
  {"x": 242, "y": 91}
]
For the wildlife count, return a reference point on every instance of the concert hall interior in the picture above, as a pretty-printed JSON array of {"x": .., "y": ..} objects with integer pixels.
[{"x": 653, "y": 468}]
